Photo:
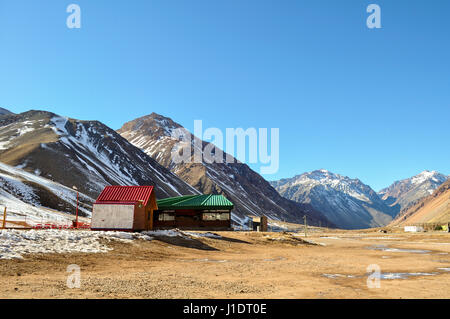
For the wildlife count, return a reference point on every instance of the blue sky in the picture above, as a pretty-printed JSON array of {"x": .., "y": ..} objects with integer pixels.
[{"x": 372, "y": 104}]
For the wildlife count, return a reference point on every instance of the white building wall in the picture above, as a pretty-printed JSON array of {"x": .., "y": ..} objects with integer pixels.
[
  {"x": 414, "y": 229},
  {"x": 112, "y": 216}
]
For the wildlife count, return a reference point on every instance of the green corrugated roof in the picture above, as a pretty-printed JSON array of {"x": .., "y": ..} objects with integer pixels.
[{"x": 195, "y": 202}]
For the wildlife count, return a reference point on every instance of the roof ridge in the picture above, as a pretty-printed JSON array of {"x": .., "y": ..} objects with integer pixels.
[
  {"x": 128, "y": 186},
  {"x": 206, "y": 199},
  {"x": 188, "y": 197}
]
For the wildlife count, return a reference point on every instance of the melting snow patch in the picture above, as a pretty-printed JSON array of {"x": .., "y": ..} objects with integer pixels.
[
  {"x": 208, "y": 234},
  {"x": 333, "y": 276},
  {"x": 398, "y": 250},
  {"x": 275, "y": 259},
  {"x": 387, "y": 237},
  {"x": 179, "y": 233},
  {"x": 203, "y": 260},
  {"x": 211, "y": 260},
  {"x": 167, "y": 233},
  {"x": 404, "y": 275},
  {"x": 15, "y": 243}
]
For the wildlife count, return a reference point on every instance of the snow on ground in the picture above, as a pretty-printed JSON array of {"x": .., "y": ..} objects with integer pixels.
[
  {"x": 208, "y": 235},
  {"x": 179, "y": 233},
  {"x": 16, "y": 243},
  {"x": 277, "y": 227},
  {"x": 164, "y": 232},
  {"x": 18, "y": 210}
]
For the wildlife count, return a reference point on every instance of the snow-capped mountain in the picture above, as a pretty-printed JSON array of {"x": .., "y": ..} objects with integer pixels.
[
  {"x": 347, "y": 202},
  {"x": 85, "y": 154},
  {"x": 434, "y": 208},
  {"x": 250, "y": 193},
  {"x": 407, "y": 192}
]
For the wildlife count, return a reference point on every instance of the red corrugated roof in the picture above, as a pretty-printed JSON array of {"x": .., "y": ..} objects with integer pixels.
[{"x": 125, "y": 194}]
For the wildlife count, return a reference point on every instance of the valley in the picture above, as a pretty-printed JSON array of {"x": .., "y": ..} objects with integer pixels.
[
  {"x": 331, "y": 264},
  {"x": 354, "y": 233},
  {"x": 44, "y": 155}
]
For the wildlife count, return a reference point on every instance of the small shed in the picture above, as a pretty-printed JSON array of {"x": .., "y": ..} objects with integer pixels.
[
  {"x": 259, "y": 223},
  {"x": 413, "y": 229},
  {"x": 124, "y": 208},
  {"x": 200, "y": 212}
]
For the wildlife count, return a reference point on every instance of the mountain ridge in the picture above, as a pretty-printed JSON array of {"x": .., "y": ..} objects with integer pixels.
[
  {"x": 4, "y": 111},
  {"x": 347, "y": 202},
  {"x": 251, "y": 194},
  {"x": 434, "y": 208},
  {"x": 85, "y": 154},
  {"x": 405, "y": 193}
]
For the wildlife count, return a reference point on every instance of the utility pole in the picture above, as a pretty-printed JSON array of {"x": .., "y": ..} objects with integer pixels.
[
  {"x": 306, "y": 226},
  {"x": 4, "y": 219},
  {"x": 76, "y": 218}
]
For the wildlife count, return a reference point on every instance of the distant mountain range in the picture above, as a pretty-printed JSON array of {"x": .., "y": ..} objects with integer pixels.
[
  {"x": 349, "y": 203},
  {"x": 90, "y": 155},
  {"x": 43, "y": 155},
  {"x": 250, "y": 192},
  {"x": 407, "y": 192},
  {"x": 434, "y": 208}
]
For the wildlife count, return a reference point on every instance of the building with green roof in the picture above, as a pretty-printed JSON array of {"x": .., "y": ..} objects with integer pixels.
[{"x": 200, "y": 212}]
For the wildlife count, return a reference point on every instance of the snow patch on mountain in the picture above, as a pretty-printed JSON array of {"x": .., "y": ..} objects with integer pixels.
[
  {"x": 405, "y": 193},
  {"x": 21, "y": 200},
  {"x": 248, "y": 191},
  {"x": 346, "y": 202}
]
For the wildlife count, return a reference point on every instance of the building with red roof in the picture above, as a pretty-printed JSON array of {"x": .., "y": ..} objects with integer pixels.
[{"x": 124, "y": 208}]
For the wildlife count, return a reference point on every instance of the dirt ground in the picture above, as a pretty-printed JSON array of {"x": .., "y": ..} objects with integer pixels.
[{"x": 242, "y": 265}]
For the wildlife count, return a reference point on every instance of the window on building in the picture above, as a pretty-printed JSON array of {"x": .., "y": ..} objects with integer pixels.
[
  {"x": 216, "y": 216},
  {"x": 164, "y": 217}
]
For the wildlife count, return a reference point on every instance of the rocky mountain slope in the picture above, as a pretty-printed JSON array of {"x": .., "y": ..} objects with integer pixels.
[
  {"x": 250, "y": 193},
  {"x": 4, "y": 111},
  {"x": 407, "y": 192},
  {"x": 37, "y": 199},
  {"x": 85, "y": 154},
  {"x": 347, "y": 202},
  {"x": 434, "y": 208}
]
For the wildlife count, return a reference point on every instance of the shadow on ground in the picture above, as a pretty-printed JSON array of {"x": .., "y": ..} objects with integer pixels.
[
  {"x": 232, "y": 240},
  {"x": 185, "y": 242}
]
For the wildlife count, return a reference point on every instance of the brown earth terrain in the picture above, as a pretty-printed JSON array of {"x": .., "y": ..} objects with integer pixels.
[
  {"x": 434, "y": 208},
  {"x": 242, "y": 265}
]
